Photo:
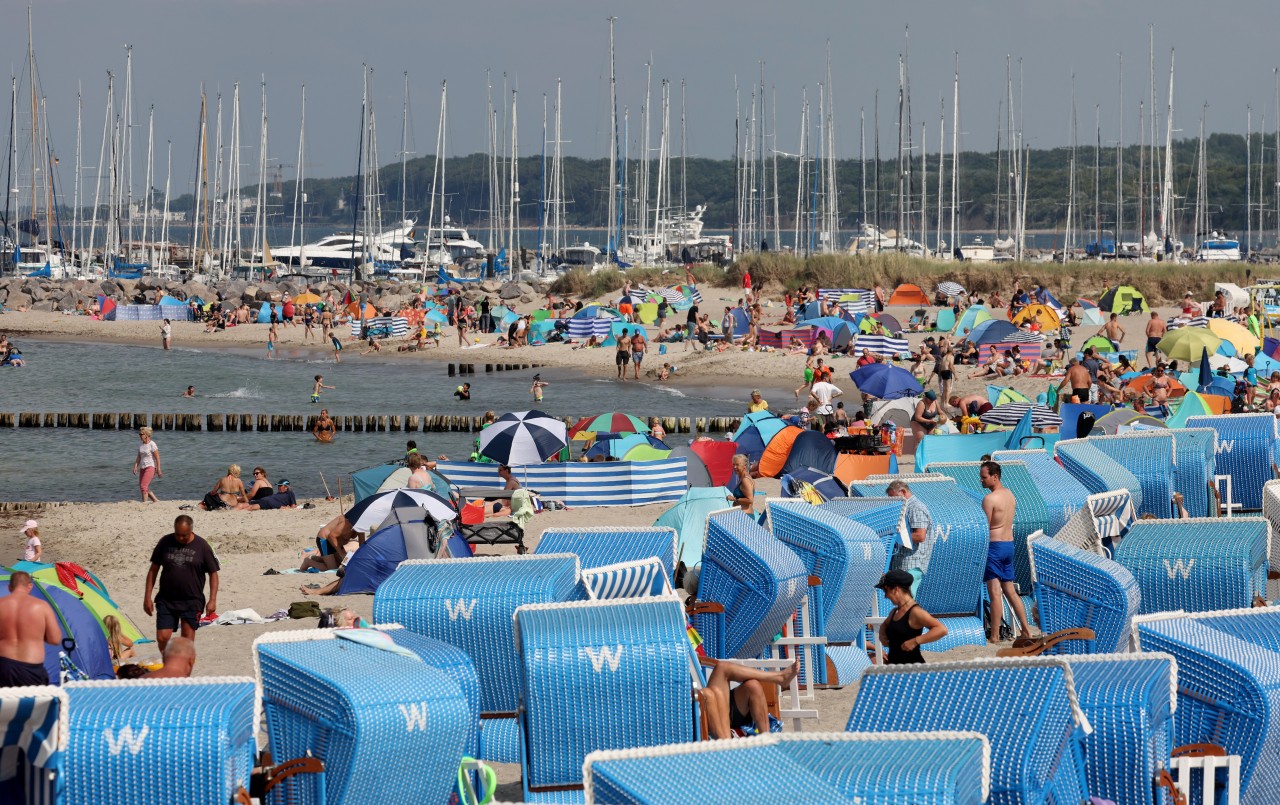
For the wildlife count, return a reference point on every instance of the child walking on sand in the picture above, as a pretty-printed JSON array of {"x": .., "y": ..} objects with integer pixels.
[
  {"x": 315, "y": 390},
  {"x": 32, "y": 550}
]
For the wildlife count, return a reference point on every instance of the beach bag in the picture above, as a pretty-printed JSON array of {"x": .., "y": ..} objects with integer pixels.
[
  {"x": 304, "y": 609},
  {"x": 212, "y": 502}
]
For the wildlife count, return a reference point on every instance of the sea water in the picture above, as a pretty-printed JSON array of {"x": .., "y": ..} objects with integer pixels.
[{"x": 86, "y": 465}]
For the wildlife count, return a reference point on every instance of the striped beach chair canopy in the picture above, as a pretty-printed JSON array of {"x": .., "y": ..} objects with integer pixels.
[
  {"x": 379, "y": 715},
  {"x": 160, "y": 740},
  {"x": 1103, "y": 517},
  {"x": 639, "y": 578},
  {"x": 36, "y": 725},
  {"x": 1228, "y": 694},
  {"x": 600, "y": 675},
  {"x": 1035, "y": 746},
  {"x": 1198, "y": 565},
  {"x": 928, "y": 768}
]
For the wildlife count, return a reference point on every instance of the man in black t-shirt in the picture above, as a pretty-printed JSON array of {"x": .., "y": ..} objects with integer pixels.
[{"x": 185, "y": 559}]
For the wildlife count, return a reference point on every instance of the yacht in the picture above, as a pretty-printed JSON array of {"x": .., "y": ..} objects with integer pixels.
[
  {"x": 977, "y": 252},
  {"x": 677, "y": 238},
  {"x": 452, "y": 245},
  {"x": 344, "y": 250},
  {"x": 583, "y": 255},
  {"x": 39, "y": 261},
  {"x": 1218, "y": 248},
  {"x": 874, "y": 240}
]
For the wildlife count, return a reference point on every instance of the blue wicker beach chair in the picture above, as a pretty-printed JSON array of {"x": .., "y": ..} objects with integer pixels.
[
  {"x": 596, "y": 547},
  {"x": 1228, "y": 695},
  {"x": 1062, "y": 494},
  {"x": 1194, "y": 450},
  {"x": 1150, "y": 457},
  {"x": 600, "y": 675},
  {"x": 1245, "y": 451},
  {"x": 1271, "y": 510},
  {"x": 469, "y": 603},
  {"x": 1027, "y": 708},
  {"x": 1098, "y": 471},
  {"x": 1197, "y": 565},
  {"x": 883, "y": 515},
  {"x": 1077, "y": 589},
  {"x": 1130, "y": 701},
  {"x": 381, "y": 721},
  {"x": 750, "y": 586},
  {"x": 1101, "y": 521},
  {"x": 163, "y": 740},
  {"x": 951, "y": 588},
  {"x": 35, "y": 726},
  {"x": 640, "y": 578},
  {"x": 847, "y": 558},
  {"x": 1030, "y": 516},
  {"x": 926, "y": 768}
]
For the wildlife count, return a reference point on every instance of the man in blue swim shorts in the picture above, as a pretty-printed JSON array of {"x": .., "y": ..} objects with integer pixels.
[{"x": 999, "y": 505}]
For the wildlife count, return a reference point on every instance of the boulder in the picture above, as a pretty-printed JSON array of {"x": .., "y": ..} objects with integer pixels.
[
  {"x": 18, "y": 299},
  {"x": 510, "y": 291}
]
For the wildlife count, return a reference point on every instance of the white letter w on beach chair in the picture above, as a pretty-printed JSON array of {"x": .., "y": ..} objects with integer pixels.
[
  {"x": 460, "y": 607},
  {"x": 117, "y": 742},
  {"x": 415, "y": 716},
  {"x": 1179, "y": 567},
  {"x": 604, "y": 654}
]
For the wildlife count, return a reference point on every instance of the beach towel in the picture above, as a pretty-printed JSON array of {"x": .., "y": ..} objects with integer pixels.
[
  {"x": 522, "y": 507},
  {"x": 376, "y": 639}
]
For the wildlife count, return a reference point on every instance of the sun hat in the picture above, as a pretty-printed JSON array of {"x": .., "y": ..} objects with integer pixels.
[{"x": 28, "y": 525}]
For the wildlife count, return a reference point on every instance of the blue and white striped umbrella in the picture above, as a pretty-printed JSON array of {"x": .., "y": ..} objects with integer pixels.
[
  {"x": 523, "y": 437},
  {"x": 1011, "y": 414},
  {"x": 370, "y": 513},
  {"x": 951, "y": 288}
]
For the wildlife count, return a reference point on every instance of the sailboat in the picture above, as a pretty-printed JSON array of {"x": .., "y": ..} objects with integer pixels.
[{"x": 34, "y": 251}]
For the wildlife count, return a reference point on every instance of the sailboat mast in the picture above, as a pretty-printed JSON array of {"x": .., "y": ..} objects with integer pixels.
[
  {"x": 613, "y": 237},
  {"x": 168, "y": 175},
  {"x": 357, "y": 248},
  {"x": 199, "y": 189},
  {"x": 955, "y": 156},
  {"x": 1166, "y": 191},
  {"x": 557, "y": 175},
  {"x": 35, "y": 117},
  {"x": 901, "y": 166},
  {"x": 299, "y": 196},
  {"x": 1248, "y": 179},
  {"x": 404, "y": 151},
  {"x": 942, "y": 138},
  {"x": 75, "y": 204},
  {"x": 102, "y": 155},
  {"x": 146, "y": 191},
  {"x": 514, "y": 199},
  {"x": 1120, "y": 160},
  {"x": 684, "y": 174},
  {"x": 127, "y": 144}
]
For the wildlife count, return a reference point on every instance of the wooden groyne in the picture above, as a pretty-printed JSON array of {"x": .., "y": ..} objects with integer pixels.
[
  {"x": 458, "y": 369},
  {"x": 303, "y": 423}
]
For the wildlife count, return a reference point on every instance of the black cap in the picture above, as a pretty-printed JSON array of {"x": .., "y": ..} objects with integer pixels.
[
  {"x": 282, "y": 482},
  {"x": 896, "y": 578}
]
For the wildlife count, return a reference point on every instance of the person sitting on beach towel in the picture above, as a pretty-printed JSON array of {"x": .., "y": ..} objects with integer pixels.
[{"x": 284, "y": 498}]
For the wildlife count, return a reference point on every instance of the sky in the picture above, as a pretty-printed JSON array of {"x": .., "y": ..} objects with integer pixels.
[{"x": 1225, "y": 57}]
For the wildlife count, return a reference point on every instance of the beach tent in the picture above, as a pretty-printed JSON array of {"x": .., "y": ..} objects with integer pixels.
[
  {"x": 825, "y": 322},
  {"x": 754, "y": 434},
  {"x": 1235, "y": 295},
  {"x": 971, "y": 318},
  {"x": 1142, "y": 385},
  {"x": 774, "y": 456},
  {"x": 688, "y": 516},
  {"x": 740, "y": 322},
  {"x": 384, "y": 477},
  {"x": 264, "y": 313},
  {"x": 908, "y": 294},
  {"x": 409, "y": 533},
  {"x": 1048, "y": 318},
  {"x": 717, "y": 456},
  {"x": 85, "y": 586},
  {"x": 84, "y": 640},
  {"x": 1193, "y": 404},
  {"x": 1123, "y": 299},
  {"x": 647, "y": 312},
  {"x": 107, "y": 308},
  {"x": 171, "y": 301},
  {"x": 844, "y": 334},
  {"x": 1111, "y": 423},
  {"x": 993, "y": 331},
  {"x": 1092, "y": 315},
  {"x": 370, "y": 312},
  {"x": 597, "y": 312},
  {"x": 809, "y": 310},
  {"x": 696, "y": 469},
  {"x": 1002, "y": 395},
  {"x": 796, "y": 485},
  {"x": 811, "y": 450},
  {"x": 1099, "y": 342}
]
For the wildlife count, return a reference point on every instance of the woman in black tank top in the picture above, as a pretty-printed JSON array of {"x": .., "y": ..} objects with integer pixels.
[{"x": 903, "y": 631}]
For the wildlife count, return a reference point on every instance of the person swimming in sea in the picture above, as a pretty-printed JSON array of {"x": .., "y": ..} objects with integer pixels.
[{"x": 190, "y": 392}]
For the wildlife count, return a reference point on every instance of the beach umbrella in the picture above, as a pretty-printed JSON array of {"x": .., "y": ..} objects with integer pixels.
[
  {"x": 1010, "y": 414},
  {"x": 306, "y": 298},
  {"x": 951, "y": 288},
  {"x": 885, "y": 381},
  {"x": 522, "y": 437},
  {"x": 674, "y": 296},
  {"x": 371, "y": 512},
  {"x": 888, "y": 322},
  {"x": 437, "y": 316},
  {"x": 1188, "y": 343},
  {"x": 607, "y": 423},
  {"x": 1245, "y": 342},
  {"x": 1206, "y": 371}
]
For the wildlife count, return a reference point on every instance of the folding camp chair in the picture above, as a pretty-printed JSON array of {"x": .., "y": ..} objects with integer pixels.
[
  {"x": 1198, "y": 565},
  {"x": 469, "y": 603},
  {"x": 1035, "y": 746},
  {"x": 128, "y": 740},
  {"x": 1078, "y": 589},
  {"x": 36, "y": 726},
  {"x": 377, "y": 720},
  {"x": 926, "y": 768},
  {"x": 600, "y": 675},
  {"x": 1228, "y": 695}
]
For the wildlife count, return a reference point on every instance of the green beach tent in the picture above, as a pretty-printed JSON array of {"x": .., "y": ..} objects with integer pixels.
[{"x": 1123, "y": 299}]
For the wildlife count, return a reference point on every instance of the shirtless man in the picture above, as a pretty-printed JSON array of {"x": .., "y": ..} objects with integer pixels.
[
  {"x": 324, "y": 427},
  {"x": 1156, "y": 328},
  {"x": 179, "y": 660},
  {"x": 1113, "y": 331},
  {"x": 745, "y": 499},
  {"x": 1078, "y": 380},
  {"x": 968, "y": 408},
  {"x": 999, "y": 505},
  {"x": 26, "y": 625}
]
